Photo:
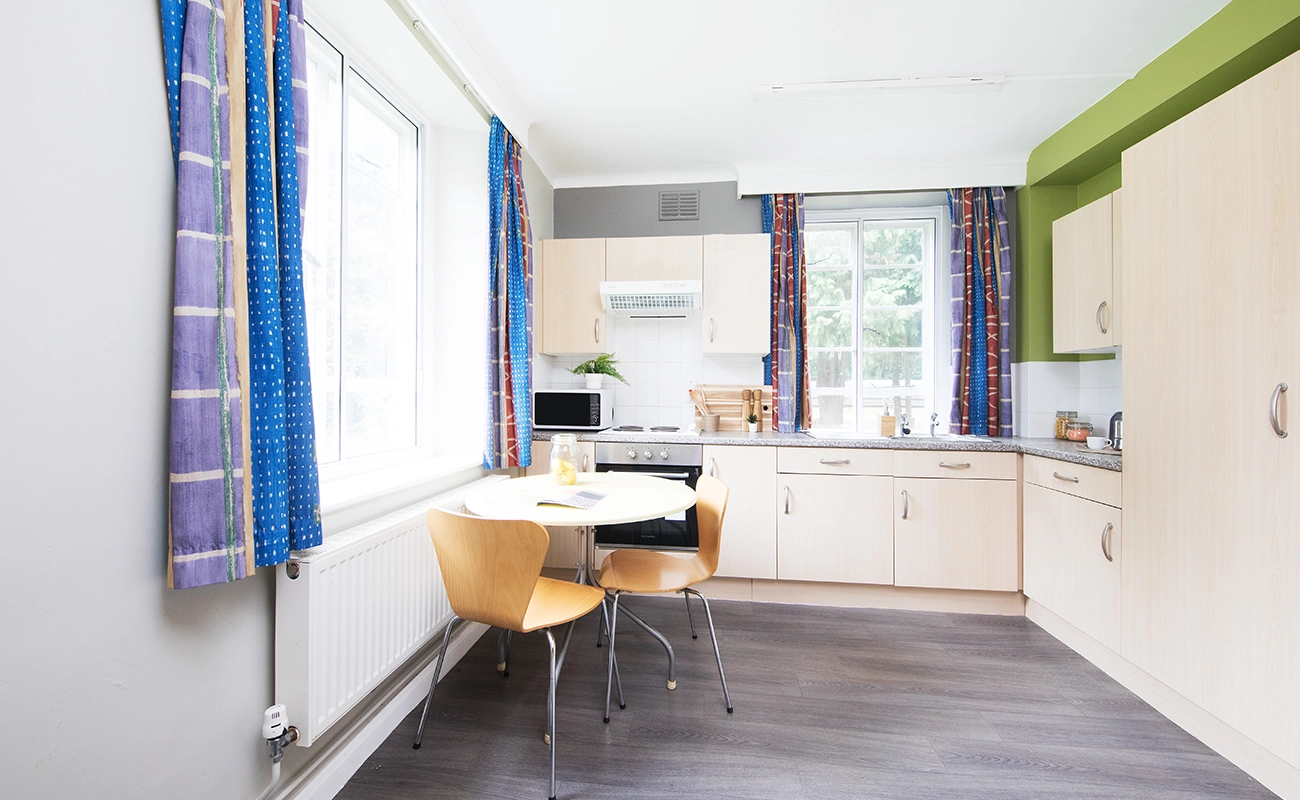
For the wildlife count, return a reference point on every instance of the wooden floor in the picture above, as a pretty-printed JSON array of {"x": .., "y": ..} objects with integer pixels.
[{"x": 829, "y": 703}]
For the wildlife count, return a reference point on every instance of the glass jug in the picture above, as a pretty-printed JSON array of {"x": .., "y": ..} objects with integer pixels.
[{"x": 564, "y": 458}]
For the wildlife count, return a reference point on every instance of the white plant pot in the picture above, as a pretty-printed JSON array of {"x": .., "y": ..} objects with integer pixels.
[
  {"x": 752, "y": 427},
  {"x": 593, "y": 380}
]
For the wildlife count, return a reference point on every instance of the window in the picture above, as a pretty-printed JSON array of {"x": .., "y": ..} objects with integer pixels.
[
  {"x": 871, "y": 317},
  {"x": 360, "y": 261}
]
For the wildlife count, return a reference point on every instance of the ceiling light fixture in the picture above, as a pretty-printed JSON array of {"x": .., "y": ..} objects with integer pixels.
[{"x": 879, "y": 86}]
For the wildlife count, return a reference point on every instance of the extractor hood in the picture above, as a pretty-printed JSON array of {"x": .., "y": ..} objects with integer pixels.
[{"x": 654, "y": 299}]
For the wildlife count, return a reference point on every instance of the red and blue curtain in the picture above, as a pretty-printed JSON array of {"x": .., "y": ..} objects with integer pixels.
[
  {"x": 510, "y": 307},
  {"x": 211, "y": 483},
  {"x": 981, "y": 271},
  {"x": 783, "y": 218}
]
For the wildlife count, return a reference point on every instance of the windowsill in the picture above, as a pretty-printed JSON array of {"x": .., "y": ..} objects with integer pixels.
[{"x": 351, "y": 500}]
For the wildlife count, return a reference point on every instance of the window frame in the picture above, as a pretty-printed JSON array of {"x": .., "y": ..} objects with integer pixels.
[
  {"x": 936, "y": 349},
  {"x": 353, "y": 66}
]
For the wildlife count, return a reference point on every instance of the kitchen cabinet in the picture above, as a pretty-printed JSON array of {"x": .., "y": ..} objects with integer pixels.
[
  {"x": 1211, "y": 554},
  {"x": 1073, "y": 548},
  {"x": 834, "y": 527},
  {"x": 570, "y": 316},
  {"x": 749, "y": 526},
  {"x": 654, "y": 258},
  {"x": 955, "y": 532},
  {"x": 566, "y": 546},
  {"x": 737, "y": 293},
  {"x": 1086, "y": 266}
]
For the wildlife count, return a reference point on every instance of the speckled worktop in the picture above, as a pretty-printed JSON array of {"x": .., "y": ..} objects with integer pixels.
[{"x": 1048, "y": 448}]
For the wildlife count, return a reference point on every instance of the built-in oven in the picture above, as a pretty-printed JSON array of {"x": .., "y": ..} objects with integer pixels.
[{"x": 675, "y": 462}]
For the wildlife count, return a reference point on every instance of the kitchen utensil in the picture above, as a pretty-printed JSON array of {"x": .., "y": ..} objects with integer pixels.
[
  {"x": 709, "y": 422},
  {"x": 1098, "y": 442},
  {"x": 1116, "y": 431},
  {"x": 746, "y": 402}
]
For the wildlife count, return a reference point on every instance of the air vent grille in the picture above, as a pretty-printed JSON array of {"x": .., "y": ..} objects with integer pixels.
[
  {"x": 648, "y": 302},
  {"x": 675, "y": 206}
]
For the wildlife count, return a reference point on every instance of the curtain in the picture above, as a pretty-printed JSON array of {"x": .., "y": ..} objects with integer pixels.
[
  {"x": 243, "y": 467},
  {"x": 783, "y": 219},
  {"x": 981, "y": 271},
  {"x": 510, "y": 307}
]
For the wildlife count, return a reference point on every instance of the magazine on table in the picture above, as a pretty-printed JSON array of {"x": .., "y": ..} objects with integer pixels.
[{"x": 576, "y": 498}]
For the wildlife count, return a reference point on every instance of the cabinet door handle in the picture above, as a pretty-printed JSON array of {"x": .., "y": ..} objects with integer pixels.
[
  {"x": 710, "y": 329},
  {"x": 713, "y": 468},
  {"x": 586, "y": 459},
  {"x": 1059, "y": 476},
  {"x": 1105, "y": 541},
  {"x": 596, "y": 330},
  {"x": 1101, "y": 325},
  {"x": 1272, "y": 411},
  {"x": 952, "y": 465},
  {"x": 787, "y": 501},
  {"x": 834, "y": 462},
  {"x": 905, "y": 504}
]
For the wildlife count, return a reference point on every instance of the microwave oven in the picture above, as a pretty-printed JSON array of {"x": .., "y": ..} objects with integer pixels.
[{"x": 573, "y": 409}]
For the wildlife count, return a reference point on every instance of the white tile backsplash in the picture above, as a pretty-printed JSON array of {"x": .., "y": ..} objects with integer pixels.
[
  {"x": 661, "y": 359},
  {"x": 1091, "y": 388}
]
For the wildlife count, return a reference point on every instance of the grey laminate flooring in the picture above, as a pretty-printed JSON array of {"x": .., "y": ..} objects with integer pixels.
[{"x": 828, "y": 703}]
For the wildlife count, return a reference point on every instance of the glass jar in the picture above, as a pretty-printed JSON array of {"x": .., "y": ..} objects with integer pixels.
[
  {"x": 564, "y": 458},
  {"x": 1063, "y": 419},
  {"x": 1078, "y": 431}
]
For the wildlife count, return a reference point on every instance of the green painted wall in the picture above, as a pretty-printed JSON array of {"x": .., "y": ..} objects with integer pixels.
[{"x": 1081, "y": 162}]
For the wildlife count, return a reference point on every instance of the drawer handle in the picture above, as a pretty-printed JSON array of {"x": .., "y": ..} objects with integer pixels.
[
  {"x": 1059, "y": 476},
  {"x": 586, "y": 459},
  {"x": 787, "y": 501},
  {"x": 1105, "y": 541},
  {"x": 710, "y": 329},
  {"x": 834, "y": 462},
  {"x": 713, "y": 468},
  {"x": 905, "y": 504},
  {"x": 1101, "y": 325},
  {"x": 952, "y": 465},
  {"x": 1272, "y": 411}
]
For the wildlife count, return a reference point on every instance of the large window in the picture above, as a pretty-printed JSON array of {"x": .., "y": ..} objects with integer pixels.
[
  {"x": 360, "y": 246},
  {"x": 871, "y": 313}
]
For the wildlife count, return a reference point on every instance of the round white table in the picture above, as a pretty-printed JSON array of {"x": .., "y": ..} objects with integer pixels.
[{"x": 628, "y": 498}]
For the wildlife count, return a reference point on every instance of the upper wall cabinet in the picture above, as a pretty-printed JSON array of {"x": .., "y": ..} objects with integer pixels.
[
  {"x": 1085, "y": 277},
  {"x": 737, "y": 293},
  {"x": 570, "y": 315},
  {"x": 654, "y": 258}
]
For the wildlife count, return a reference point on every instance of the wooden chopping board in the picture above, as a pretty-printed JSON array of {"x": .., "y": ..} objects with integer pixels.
[{"x": 726, "y": 402}]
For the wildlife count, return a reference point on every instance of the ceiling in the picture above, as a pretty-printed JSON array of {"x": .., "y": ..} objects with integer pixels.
[{"x": 632, "y": 93}]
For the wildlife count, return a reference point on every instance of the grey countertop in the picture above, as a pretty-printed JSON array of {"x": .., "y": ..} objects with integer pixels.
[{"x": 1071, "y": 452}]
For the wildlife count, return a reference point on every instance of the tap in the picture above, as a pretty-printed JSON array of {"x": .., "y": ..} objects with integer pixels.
[
  {"x": 934, "y": 422},
  {"x": 904, "y": 424}
]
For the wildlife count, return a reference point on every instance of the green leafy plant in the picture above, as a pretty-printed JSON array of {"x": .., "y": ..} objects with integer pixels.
[
  {"x": 601, "y": 365},
  {"x": 752, "y": 419}
]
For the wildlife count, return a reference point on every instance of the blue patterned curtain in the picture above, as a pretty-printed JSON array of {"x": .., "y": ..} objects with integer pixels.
[
  {"x": 981, "y": 270},
  {"x": 510, "y": 307},
  {"x": 783, "y": 219}
]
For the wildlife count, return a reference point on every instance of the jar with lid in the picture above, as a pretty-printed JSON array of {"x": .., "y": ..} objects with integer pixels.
[
  {"x": 1063, "y": 419},
  {"x": 1078, "y": 431},
  {"x": 564, "y": 458}
]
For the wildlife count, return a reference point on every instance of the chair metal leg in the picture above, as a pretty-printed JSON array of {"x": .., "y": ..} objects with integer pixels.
[
  {"x": 709, "y": 616},
  {"x": 687, "y": 597},
  {"x": 659, "y": 637},
  {"x": 603, "y": 626},
  {"x": 550, "y": 708},
  {"x": 609, "y": 675},
  {"x": 428, "y": 701}
]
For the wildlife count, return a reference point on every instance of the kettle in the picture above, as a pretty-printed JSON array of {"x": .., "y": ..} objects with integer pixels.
[{"x": 1116, "y": 432}]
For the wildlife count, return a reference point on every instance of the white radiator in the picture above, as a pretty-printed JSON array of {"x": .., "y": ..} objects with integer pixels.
[{"x": 361, "y": 604}]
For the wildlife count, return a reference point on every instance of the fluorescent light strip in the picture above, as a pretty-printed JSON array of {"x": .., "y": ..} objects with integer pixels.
[{"x": 885, "y": 86}]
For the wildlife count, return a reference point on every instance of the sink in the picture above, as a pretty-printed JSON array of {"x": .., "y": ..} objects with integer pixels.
[
  {"x": 946, "y": 437},
  {"x": 843, "y": 435},
  {"x": 942, "y": 437}
]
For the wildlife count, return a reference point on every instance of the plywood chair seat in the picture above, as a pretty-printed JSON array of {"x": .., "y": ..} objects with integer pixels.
[
  {"x": 557, "y": 602},
  {"x": 646, "y": 571}
]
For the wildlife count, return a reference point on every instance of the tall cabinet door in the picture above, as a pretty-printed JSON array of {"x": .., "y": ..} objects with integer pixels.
[
  {"x": 570, "y": 315},
  {"x": 1211, "y": 579}
]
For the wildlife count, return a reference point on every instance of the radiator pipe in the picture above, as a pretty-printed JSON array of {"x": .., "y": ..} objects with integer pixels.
[{"x": 277, "y": 746}]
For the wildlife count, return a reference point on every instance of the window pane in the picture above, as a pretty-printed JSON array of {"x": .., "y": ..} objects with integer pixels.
[
  {"x": 320, "y": 240},
  {"x": 893, "y": 245},
  {"x": 830, "y": 328},
  {"x": 829, "y": 246},
  {"x": 830, "y": 368},
  {"x": 884, "y": 328},
  {"x": 379, "y": 278},
  {"x": 892, "y": 368},
  {"x": 915, "y": 406},
  {"x": 892, "y": 286},
  {"x": 830, "y": 287},
  {"x": 833, "y": 411}
]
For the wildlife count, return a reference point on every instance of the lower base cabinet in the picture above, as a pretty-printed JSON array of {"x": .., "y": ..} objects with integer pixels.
[
  {"x": 956, "y": 534},
  {"x": 834, "y": 528},
  {"x": 749, "y": 526}
]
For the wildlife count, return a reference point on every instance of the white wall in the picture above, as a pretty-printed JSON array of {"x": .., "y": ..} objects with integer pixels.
[{"x": 110, "y": 684}]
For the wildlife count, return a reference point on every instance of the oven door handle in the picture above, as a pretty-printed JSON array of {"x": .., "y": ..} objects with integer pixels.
[{"x": 680, "y": 476}]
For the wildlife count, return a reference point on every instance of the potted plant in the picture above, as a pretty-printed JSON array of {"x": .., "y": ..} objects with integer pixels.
[
  {"x": 751, "y": 422},
  {"x": 596, "y": 368}
]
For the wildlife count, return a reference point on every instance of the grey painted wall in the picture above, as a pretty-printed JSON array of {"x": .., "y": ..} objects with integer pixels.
[{"x": 614, "y": 211}]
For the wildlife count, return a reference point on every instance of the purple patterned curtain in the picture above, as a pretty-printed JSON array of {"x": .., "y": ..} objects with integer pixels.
[
  {"x": 981, "y": 271},
  {"x": 783, "y": 219}
]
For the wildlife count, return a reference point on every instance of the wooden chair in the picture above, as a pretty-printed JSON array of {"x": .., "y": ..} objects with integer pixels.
[
  {"x": 492, "y": 572},
  {"x": 645, "y": 571}
]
